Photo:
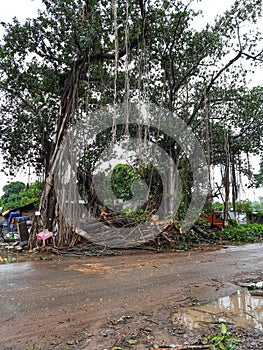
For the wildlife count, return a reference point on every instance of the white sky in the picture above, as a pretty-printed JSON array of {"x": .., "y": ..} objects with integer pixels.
[{"x": 23, "y": 9}]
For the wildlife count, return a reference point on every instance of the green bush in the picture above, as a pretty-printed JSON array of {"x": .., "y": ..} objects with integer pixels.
[
  {"x": 243, "y": 233},
  {"x": 15, "y": 196}
]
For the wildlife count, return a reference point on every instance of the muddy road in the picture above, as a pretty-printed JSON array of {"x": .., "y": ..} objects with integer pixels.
[{"x": 45, "y": 303}]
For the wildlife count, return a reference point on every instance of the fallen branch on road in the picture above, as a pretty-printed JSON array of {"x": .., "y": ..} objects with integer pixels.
[{"x": 184, "y": 347}]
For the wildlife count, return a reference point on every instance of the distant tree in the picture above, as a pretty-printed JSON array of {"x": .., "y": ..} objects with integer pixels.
[
  {"x": 11, "y": 196},
  {"x": 13, "y": 188},
  {"x": 261, "y": 202},
  {"x": 17, "y": 194},
  {"x": 32, "y": 193},
  {"x": 244, "y": 207},
  {"x": 258, "y": 205},
  {"x": 218, "y": 206}
]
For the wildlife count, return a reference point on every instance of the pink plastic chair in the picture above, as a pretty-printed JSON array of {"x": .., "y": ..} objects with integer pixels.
[{"x": 44, "y": 235}]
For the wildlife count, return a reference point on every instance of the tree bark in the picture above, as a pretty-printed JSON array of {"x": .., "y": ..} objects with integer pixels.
[
  {"x": 51, "y": 216},
  {"x": 226, "y": 181}
]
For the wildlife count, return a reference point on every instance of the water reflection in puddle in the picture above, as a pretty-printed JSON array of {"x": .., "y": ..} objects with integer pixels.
[
  {"x": 259, "y": 284},
  {"x": 240, "y": 309}
]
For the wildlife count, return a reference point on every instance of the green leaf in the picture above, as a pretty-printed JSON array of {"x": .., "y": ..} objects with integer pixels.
[
  {"x": 132, "y": 341},
  {"x": 221, "y": 346},
  {"x": 216, "y": 337},
  {"x": 223, "y": 328},
  {"x": 148, "y": 329},
  {"x": 229, "y": 337},
  {"x": 230, "y": 347},
  {"x": 84, "y": 333},
  {"x": 205, "y": 340}
]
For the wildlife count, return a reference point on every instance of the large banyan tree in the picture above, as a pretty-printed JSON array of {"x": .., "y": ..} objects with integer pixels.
[{"x": 77, "y": 82}]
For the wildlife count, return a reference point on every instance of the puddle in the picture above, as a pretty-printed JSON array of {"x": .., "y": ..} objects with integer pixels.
[
  {"x": 7, "y": 269},
  {"x": 240, "y": 309}
]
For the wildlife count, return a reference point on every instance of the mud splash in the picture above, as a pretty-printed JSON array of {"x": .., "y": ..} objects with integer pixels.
[{"x": 240, "y": 309}]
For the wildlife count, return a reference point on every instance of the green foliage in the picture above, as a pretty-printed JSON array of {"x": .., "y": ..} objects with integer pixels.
[
  {"x": 37, "y": 56},
  {"x": 222, "y": 340},
  {"x": 23, "y": 195},
  {"x": 36, "y": 60},
  {"x": 254, "y": 287},
  {"x": 258, "y": 205},
  {"x": 243, "y": 233},
  {"x": 138, "y": 215},
  {"x": 11, "y": 196},
  {"x": 122, "y": 179},
  {"x": 218, "y": 206},
  {"x": 13, "y": 188},
  {"x": 244, "y": 207}
]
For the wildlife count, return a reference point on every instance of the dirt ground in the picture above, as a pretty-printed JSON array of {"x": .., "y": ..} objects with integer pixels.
[{"x": 128, "y": 301}]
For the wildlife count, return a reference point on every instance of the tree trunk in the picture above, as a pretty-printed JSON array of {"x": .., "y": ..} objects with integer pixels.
[
  {"x": 234, "y": 187},
  {"x": 51, "y": 216},
  {"x": 226, "y": 182}
]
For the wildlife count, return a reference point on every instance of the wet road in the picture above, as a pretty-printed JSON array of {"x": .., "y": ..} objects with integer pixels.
[{"x": 45, "y": 302}]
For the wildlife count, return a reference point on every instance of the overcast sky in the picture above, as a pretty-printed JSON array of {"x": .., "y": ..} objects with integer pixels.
[{"x": 23, "y": 9}]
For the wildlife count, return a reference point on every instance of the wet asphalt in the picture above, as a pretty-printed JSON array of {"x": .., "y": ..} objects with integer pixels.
[{"x": 36, "y": 296}]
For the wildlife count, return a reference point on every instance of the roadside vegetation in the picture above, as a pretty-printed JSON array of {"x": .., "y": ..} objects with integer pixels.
[
  {"x": 17, "y": 194},
  {"x": 206, "y": 236}
]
